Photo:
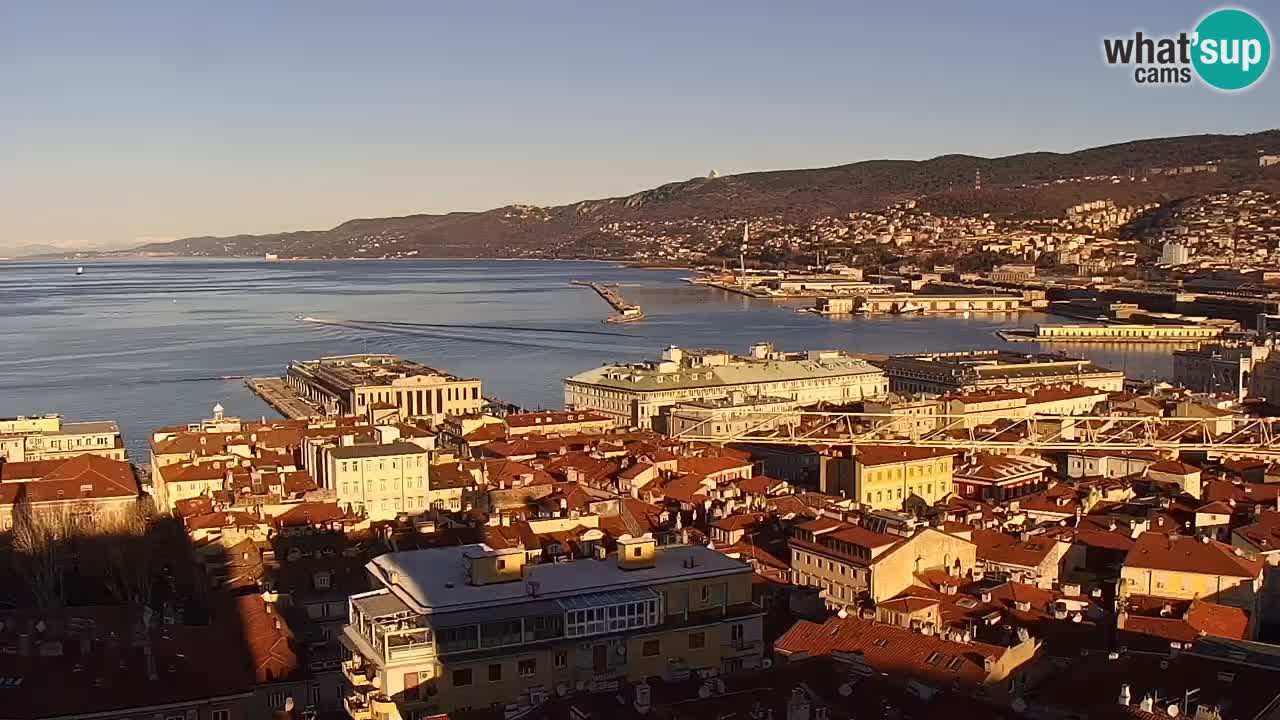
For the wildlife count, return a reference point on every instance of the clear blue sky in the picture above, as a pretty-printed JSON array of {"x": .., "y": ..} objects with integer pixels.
[{"x": 123, "y": 120}]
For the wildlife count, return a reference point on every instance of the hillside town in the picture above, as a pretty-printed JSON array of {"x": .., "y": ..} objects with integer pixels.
[
  {"x": 806, "y": 533},
  {"x": 1235, "y": 231}
]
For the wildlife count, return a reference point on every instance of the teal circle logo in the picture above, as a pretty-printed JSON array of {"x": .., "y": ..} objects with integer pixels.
[{"x": 1232, "y": 49}]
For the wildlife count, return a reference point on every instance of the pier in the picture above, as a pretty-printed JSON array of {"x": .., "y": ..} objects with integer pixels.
[
  {"x": 284, "y": 399},
  {"x": 626, "y": 312}
]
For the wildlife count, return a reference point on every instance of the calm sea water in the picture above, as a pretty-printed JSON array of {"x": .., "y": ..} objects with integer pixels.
[{"x": 147, "y": 343}]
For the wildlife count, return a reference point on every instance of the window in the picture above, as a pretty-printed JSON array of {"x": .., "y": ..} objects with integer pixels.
[
  {"x": 736, "y": 631},
  {"x": 650, "y": 648},
  {"x": 275, "y": 699},
  {"x": 527, "y": 668},
  {"x": 636, "y": 552},
  {"x": 561, "y": 658},
  {"x": 221, "y": 714},
  {"x": 495, "y": 672},
  {"x": 462, "y": 678},
  {"x": 705, "y": 593},
  {"x": 697, "y": 640}
]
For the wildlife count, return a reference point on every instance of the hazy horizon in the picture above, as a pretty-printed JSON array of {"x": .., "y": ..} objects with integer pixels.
[{"x": 145, "y": 121}]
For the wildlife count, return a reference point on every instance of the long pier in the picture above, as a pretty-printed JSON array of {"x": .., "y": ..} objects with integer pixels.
[
  {"x": 626, "y": 312},
  {"x": 276, "y": 393}
]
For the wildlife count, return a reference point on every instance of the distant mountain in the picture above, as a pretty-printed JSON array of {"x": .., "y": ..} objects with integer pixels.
[
  {"x": 1014, "y": 186},
  {"x": 30, "y": 250}
]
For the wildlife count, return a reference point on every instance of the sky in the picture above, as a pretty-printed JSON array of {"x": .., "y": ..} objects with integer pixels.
[{"x": 127, "y": 121}]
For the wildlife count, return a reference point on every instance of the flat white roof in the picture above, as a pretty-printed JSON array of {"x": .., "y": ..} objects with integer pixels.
[{"x": 433, "y": 580}]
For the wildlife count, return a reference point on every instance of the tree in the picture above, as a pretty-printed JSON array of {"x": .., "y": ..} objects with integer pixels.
[{"x": 40, "y": 550}]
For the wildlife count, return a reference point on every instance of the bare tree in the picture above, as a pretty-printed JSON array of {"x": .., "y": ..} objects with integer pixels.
[
  {"x": 127, "y": 555},
  {"x": 40, "y": 550}
]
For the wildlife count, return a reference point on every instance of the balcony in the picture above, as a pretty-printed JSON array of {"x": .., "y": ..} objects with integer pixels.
[
  {"x": 743, "y": 647},
  {"x": 357, "y": 708},
  {"x": 358, "y": 674}
]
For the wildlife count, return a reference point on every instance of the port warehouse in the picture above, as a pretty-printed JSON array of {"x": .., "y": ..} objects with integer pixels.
[
  {"x": 923, "y": 303},
  {"x": 1127, "y": 331}
]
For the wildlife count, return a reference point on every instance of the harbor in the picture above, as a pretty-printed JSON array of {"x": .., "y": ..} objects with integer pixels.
[{"x": 626, "y": 312}]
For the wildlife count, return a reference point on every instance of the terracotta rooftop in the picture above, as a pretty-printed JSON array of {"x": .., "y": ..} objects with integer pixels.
[
  {"x": 871, "y": 455},
  {"x": 83, "y": 476},
  {"x": 1158, "y": 551},
  {"x": 1004, "y": 549},
  {"x": 893, "y": 650}
]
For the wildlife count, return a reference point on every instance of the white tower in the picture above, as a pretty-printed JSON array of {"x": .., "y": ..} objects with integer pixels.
[
  {"x": 742, "y": 252},
  {"x": 217, "y": 412}
]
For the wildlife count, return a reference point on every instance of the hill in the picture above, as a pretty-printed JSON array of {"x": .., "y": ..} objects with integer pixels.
[{"x": 1039, "y": 184}]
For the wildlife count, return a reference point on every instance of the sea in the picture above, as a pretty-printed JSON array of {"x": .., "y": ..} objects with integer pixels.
[{"x": 151, "y": 343}]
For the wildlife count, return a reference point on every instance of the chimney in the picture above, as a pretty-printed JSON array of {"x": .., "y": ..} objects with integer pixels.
[
  {"x": 1148, "y": 704},
  {"x": 1125, "y": 695},
  {"x": 24, "y": 644}
]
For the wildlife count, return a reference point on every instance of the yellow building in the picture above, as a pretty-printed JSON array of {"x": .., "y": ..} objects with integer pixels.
[
  {"x": 385, "y": 480},
  {"x": 885, "y": 476},
  {"x": 471, "y": 627},
  {"x": 1186, "y": 568},
  {"x": 47, "y": 437},
  {"x": 850, "y": 562}
]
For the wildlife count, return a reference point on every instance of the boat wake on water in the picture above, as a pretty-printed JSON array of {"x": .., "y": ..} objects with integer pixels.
[{"x": 459, "y": 326}]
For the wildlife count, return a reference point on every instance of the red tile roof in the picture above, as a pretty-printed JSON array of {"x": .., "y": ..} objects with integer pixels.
[
  {"x": 711, "y": 465},
  {"x": 83, "y": 476},
  {"x": 893, "y": 650},
  {"x": 997, "y": 547},
  {"x": 869, "y": 455},
  {"x": 1157, "y": 551}
]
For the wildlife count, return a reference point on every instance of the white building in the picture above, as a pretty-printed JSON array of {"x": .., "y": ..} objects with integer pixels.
[
  {"x": 635, "y": 394},
  {"x": 1174, "y": 253},
  {"x": 47, "y": 437}
]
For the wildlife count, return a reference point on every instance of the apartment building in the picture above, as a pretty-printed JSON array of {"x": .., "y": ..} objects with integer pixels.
[
  {"x": 1219, "y": 367},
  {"x": 353, "y": 384},
  {"x": 384, "y": 480},
  {"x": 1188, "y": 568},
  {"x": 86, "y": 490},
  {"x": 47, "y": 437},
  {"x": 472, "y": 627},
  {"x": 883, "y": 477},
  {"x": 848, "y": 562},
  {"x": 636, "y": 394},
  {"x": 910, "y": 416}
]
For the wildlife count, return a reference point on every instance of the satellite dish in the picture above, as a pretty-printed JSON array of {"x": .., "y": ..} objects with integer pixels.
[{"x": 845, "y": 690}]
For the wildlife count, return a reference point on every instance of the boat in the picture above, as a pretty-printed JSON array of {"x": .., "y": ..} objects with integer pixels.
[
  {"x": 908, "y": 308},
  {"x": 79, "y": 271}
]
